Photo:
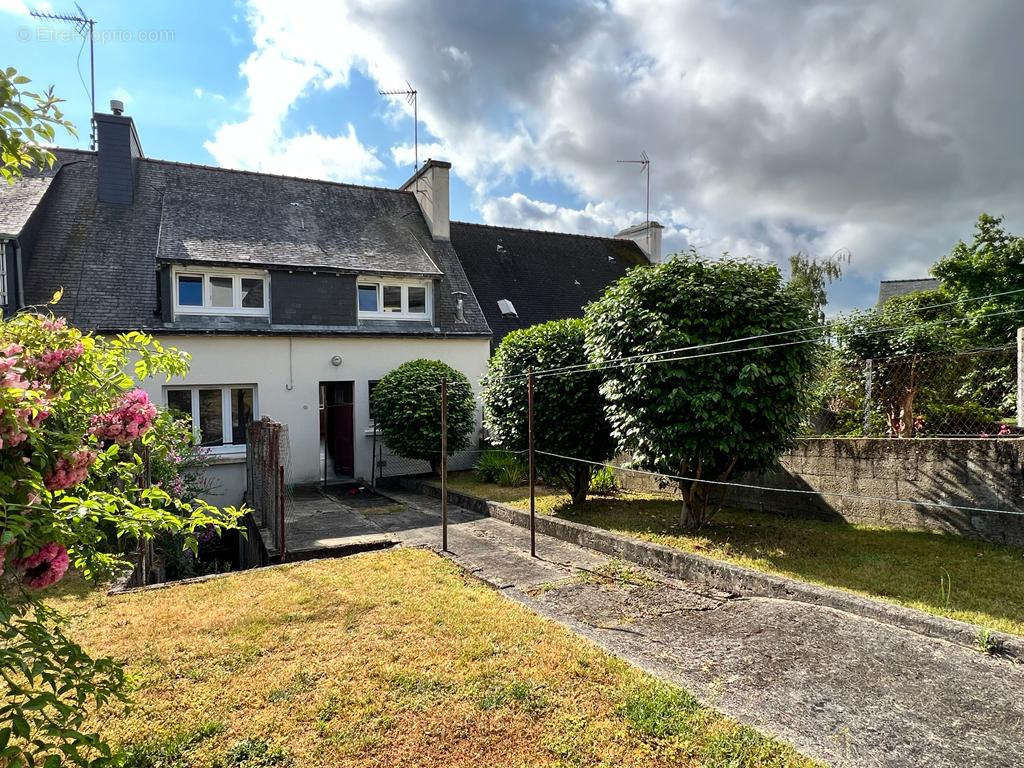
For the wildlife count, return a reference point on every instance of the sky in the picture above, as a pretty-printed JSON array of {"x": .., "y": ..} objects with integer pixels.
[{"x": 867, "y": 127}]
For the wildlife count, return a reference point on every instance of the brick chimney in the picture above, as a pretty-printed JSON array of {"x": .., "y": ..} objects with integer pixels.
[
  {"x": 647, "y": 236},
  {"x": 119, "y": 148},
  {"x": 430, "y": 186}
]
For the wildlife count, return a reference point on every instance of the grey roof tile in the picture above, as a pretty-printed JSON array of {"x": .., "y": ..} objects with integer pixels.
[
  {"x": 546, "y": 275},
  {"x": 887, "y": 289}
]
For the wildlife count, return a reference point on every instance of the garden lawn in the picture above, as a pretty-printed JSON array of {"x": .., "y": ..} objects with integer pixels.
[
  {"x": 383, "y": 659},
  {"x": 905, "y": 567}
]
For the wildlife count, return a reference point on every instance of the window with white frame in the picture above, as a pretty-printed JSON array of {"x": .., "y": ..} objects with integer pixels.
[
  {"x": 220, "y": 414},
  {"x": 394, "y": 299},
  {"x": 220, "y": 292}
]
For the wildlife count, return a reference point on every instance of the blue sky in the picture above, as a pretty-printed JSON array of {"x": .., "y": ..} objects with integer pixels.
[{"x": 878, "y": 128}]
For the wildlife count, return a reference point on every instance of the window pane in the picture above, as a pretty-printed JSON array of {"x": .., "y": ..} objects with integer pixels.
[
  {"x": 190, "y": 291},
  {"x": 392, "y": 298},
  {"x": 241, "y": 413},
  {"x": 367, "y": 298},
  {"x": 417, "y": 300},
  {"x": 252, "y": 292},
  {"x": 180, "y": 401},
  {"x": 211, "y": 417},
  {"x": 222, "y": 292}
]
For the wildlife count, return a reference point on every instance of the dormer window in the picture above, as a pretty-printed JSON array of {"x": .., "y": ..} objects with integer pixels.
[
  {"x": 220, "y": 292},
  {"x": 394, "y": 299}
]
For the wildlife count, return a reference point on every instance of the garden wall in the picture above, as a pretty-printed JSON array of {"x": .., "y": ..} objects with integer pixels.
[{"x": 963, "y": 472}]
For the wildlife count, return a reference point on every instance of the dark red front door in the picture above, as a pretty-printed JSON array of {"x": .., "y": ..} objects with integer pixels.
[{"x": 339, "y": 437}]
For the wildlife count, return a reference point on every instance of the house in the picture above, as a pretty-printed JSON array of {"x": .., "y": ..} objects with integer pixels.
[
  {"x": 522, "y": 276},
  {"x": 888, "y": 289},
  {"x": 292, "y": 296}
]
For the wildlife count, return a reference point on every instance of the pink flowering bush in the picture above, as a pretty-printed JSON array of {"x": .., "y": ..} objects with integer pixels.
[
  {"x": 73, "y": 426},
  {"x": 69, "y": 470},
  {"x": 132, "y": 415},
  {"x": 45, "y": 567}
]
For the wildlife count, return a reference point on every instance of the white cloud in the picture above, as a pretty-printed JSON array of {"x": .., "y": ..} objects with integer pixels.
[
  {"x": 883, "y": 128},
  {"x": 200, "y": 93}
]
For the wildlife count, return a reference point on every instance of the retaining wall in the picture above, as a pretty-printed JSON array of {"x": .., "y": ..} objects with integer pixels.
[{"x": 961, "y": 472}]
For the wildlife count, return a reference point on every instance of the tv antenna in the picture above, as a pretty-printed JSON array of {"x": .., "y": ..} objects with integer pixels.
[
  {"x": 410, "y": 98},
  {"x": 84, "y": 26},
  {"x": 645, "y": 167}
]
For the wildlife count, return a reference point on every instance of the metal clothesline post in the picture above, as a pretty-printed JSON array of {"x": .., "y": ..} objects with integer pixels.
[
  {"x": 532, "y": 467},
  {"x": 444, "y": 465}
]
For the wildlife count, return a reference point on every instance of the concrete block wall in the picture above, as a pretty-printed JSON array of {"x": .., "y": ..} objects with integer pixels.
[{"x": 960, "y": 472}]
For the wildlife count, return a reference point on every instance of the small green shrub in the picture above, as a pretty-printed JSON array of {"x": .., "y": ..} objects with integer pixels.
[
  {"x": 604, "y": 482},
  {"x": 513, "y": 475},
  {"x": 501, "y": 467},
  {"x": 489, "y": 464}
]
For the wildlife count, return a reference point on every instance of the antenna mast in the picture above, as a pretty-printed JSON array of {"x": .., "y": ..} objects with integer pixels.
[
  {"x": 84, "y": 26},
  {"x": 410, "y": 94},
  {"x": 645, "y": 167}
]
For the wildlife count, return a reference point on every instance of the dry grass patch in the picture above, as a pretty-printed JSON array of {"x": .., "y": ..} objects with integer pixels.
[
  {"x": 911, "y": 568},
  {"x": 380, "y": 660}
]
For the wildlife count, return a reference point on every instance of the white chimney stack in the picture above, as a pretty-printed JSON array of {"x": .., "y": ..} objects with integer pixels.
[
  {"x": 648, "y": 236},
  {"x": 430, "y": 186}
]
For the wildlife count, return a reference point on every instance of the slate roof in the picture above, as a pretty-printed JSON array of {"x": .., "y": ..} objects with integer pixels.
[
  {"x": 546, "y": 275},
  {"x": 19, "y": 200},
  {"x": 106, "y": 256},
  {"x": 887, "y": 289},
  {"x": 215, "y": 215}
]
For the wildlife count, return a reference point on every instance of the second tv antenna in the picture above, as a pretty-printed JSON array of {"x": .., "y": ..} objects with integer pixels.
[
  {"x": 410, "y": 97},
  {"x": 645, "y": 167}
]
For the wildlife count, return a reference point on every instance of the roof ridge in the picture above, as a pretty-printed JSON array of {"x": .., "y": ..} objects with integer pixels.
[
  {"x": 264, "y": 174},
  {"x": 907, "y": 279},
  {"x": 546, "y": 231}
]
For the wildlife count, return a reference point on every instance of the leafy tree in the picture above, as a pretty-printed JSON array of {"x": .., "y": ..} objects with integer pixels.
[
  {"x": 407, "y": 409},
  {"x": 812, "y": 277},
  {"x": 905, "y": 340},
  {"x": 993, "y": 262},
  {"x": 568, "y": 410},
  {"x": 715, "y": 411},
  {"x": 27, "y": 118},
  {"x": 71, "y": 492}
]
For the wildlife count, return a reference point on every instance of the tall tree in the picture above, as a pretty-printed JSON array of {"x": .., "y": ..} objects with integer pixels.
[
  {"x": 812, "y": 277},
  {"x": 714, "y": 412},
  {"x": 993, "y": 262}
]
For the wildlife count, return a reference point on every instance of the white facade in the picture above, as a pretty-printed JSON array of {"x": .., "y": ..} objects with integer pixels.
[{"x": 286, "y": 372}]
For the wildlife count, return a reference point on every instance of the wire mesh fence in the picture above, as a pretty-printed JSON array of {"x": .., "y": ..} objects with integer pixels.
[{"x": 964, "y": 394}]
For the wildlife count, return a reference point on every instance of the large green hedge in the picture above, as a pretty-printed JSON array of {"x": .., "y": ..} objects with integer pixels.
[{"x": 568, "y": 412}]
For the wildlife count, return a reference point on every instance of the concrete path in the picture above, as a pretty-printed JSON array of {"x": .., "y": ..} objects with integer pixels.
[{"x": 844, "y": 689}]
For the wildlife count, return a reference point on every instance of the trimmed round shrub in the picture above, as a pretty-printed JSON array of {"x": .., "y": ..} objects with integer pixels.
[
  {"x": 568, "y": 410},
  {"x": 406, "y": 407}
]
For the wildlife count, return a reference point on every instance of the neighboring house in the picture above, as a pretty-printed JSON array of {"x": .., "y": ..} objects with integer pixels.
[
  {"x": 522, "y": 276},
  {"x": 293, "y": 296},
  {"x": 888, "y": 289}
]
